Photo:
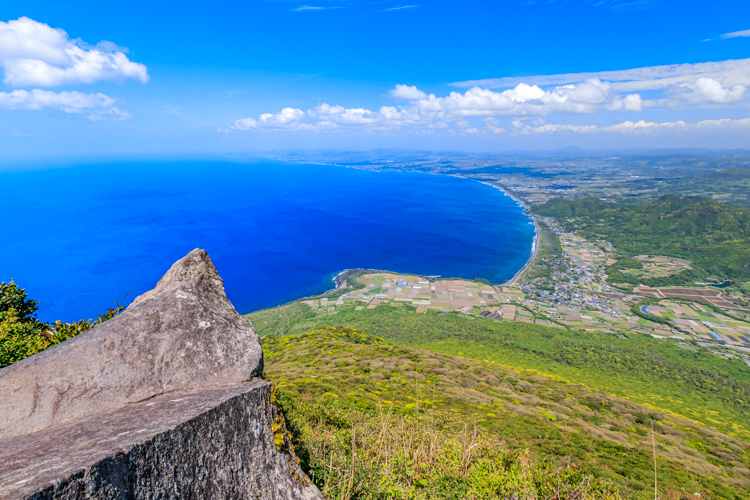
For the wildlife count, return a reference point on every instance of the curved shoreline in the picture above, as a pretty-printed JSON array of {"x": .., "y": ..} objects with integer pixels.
[
  {"x": 536, "y": 244},
  {"x": 340, "y": 278}
]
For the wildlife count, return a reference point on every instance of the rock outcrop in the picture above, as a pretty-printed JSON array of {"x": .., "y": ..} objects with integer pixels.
[{"x": 162, "y": 401}]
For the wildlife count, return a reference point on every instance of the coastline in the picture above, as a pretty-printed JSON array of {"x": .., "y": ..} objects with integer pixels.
[
  {"x": 535, "y": 245},
  {"x": 340, "y": 278},
  {"x": 534, "y": 253}
]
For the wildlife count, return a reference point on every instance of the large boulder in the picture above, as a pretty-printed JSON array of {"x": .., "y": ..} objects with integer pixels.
[
  {"x": 183, "y": 334},
  {"x": 162, "y": 401}
]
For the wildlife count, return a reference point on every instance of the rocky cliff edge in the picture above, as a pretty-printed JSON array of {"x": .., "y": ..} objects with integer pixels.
[{"x": 162, "y": 401}]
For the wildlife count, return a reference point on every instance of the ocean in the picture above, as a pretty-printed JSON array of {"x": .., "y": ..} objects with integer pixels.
[{"x": 78, "y": 239}]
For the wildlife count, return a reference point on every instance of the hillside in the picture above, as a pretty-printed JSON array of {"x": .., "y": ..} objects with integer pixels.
[
  {"x": 347, "y": 389},
  {"x": 695, "y": 384},
  {"x": 730, "y": 174},
  {"x": 713, "y": 236}
]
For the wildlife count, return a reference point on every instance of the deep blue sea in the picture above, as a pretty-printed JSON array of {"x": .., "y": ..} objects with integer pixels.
[{"x": 79, "y": 238}]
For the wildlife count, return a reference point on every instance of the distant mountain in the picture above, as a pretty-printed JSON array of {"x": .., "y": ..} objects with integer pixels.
[{"x": 734, "y": 173}]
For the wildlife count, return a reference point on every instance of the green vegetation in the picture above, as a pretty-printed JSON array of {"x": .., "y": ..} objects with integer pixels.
[
  {"x": 375, "y": 420},
  {"x": 279, "y": 320},
  {"x": 715, "y": 237},
  {"x": 636, "y": 309},
  {"x": 731, "y": 185},
  {"x": 695, "y": 384},
  {"x": 22, "y": 334},
  {"x": 549, "y": 246}
]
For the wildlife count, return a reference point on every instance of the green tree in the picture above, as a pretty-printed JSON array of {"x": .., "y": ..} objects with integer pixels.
[{"x": 21, "y": 333}]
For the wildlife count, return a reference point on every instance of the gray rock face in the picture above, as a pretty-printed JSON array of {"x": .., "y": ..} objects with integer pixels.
[
  {"x": 162, "y": 401},
  {"x": 204, "y": 444},
  {"x": 181, "y": 335}
]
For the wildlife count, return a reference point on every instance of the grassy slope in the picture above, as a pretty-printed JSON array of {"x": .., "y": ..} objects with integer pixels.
[
  {"x": 714, "y": 236},
  {"x": 355, "y": 374},
  {"x": 696, "y": 385}
]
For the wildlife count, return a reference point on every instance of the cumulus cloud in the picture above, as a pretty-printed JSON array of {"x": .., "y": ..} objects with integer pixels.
[
  {"x": 705, "y": 84},
  {"x": 493, "y": 125},
  {"x": 324, "y": 116},
  {"x": 705, "y": 90},
  {"x": 407, "y": 92},
  {"x": 342, "y": 115},
  {"x": 287, "y": 118},
  {"x": 639, "y": 127},
  {"x": 33, "y": 53},
  {"x": 92, "y": 106},
  {"x": 586, "y": 97},
  {"x": 736, "y": 34}
]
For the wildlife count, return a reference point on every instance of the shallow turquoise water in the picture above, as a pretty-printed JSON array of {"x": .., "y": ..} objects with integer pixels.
[{"x": 81, "y": 237}]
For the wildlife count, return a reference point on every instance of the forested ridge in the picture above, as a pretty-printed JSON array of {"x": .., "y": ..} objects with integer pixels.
[{"x": 714, "y": 236}]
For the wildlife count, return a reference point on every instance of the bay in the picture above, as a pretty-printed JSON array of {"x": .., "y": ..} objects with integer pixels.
[{"x": 79, "y": 238}]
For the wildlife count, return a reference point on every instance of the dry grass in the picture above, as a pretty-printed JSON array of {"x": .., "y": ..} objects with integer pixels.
[{"x": 428, "y": 454}]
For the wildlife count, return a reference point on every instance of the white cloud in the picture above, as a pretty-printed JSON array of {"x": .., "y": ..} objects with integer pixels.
[
  {"x": 705, "y": 125},
  {"x": 325, "y": 116},
  {"x": 311, "y": 7},
  {"x": 729, "y": 73},
  {"x": 407, "y": 92},
  {"x": 287, "y": 118},
  {"x": 639, "y": 127},
  {"x": 705, "y": 90},
  {"x": 524, "y": 100},
  {"x": 342, "y": 115},
  {"x": 416, "y": 110},
  {"x": 586, "y": 97},
  {"x": 33, "y": 53},
  {"x": 624, "y": 5},
  {"x": 493, "y": 125},
  {"x": 736, "y": 34},
  {"x": 402, "y": 7},
  {"x": 93, "y": 106}
]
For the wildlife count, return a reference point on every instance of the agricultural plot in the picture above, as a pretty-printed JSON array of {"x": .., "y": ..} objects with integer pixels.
[
  {"x": 712, "y": 296},
  {"x": 703, "y": 324},
  {"x": 441, "y": 294},
  {"x": 659, "y": 266},
  {"x": 584, "y": 254}
]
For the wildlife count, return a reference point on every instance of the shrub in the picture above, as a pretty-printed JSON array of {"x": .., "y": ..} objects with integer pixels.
[{"x": 23, "y": 335}]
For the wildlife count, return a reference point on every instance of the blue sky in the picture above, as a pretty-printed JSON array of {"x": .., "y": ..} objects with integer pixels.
[{"x": 163, "y": 79}]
